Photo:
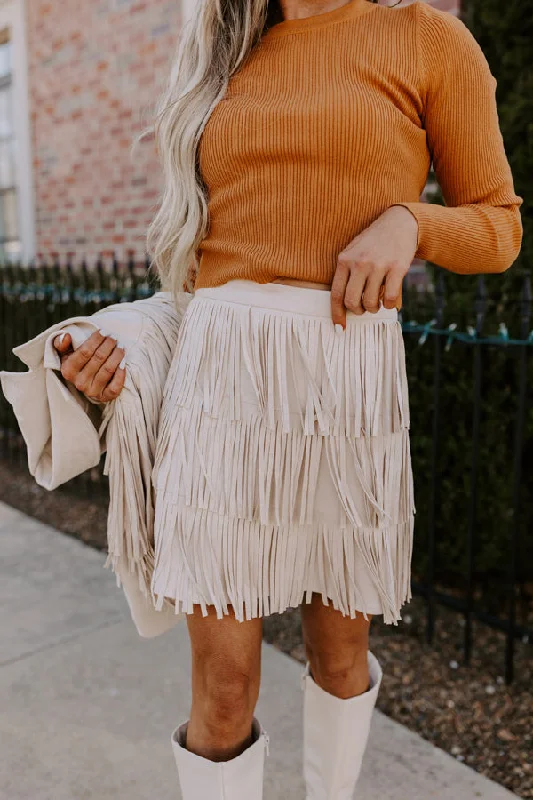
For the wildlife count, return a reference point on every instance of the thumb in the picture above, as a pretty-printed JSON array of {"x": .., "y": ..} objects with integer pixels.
[{"x": 63, "y": 342}]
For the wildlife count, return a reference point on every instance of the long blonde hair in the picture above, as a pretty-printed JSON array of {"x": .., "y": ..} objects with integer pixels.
[{"x": 213, "y": 44}]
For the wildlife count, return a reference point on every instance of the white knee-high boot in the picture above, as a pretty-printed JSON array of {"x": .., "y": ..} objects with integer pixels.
[
  {"x": 240, "y": 778},
  {"x": 335, "y": 734}
]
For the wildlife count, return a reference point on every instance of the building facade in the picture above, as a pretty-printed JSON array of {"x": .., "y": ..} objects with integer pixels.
[{"x": 77, "y": 87}]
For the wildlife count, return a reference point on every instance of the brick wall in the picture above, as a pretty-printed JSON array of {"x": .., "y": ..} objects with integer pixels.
[{"x": 94, "y": 70}]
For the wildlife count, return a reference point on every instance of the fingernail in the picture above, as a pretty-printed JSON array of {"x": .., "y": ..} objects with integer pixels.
[
  {"x": 103, "y": 332},
  {"x": 339, "y": 328},
  {"x": 122, "y": 364},
  {"x": 61, "y": 337}
]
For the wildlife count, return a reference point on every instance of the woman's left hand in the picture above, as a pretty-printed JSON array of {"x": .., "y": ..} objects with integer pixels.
[{"x": 376, "y": 260}]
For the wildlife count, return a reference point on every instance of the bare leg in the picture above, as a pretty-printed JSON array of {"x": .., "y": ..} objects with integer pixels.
[
  {"x": 339, "y": 698},
  {"x": 336, "y": 648},
  {"x": 226, "y": 674}
]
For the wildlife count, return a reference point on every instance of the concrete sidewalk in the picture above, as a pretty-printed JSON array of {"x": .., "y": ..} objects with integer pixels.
[{"x": 87, "y": 706}]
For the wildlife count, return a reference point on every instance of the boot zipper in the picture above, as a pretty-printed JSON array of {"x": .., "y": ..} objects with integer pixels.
[{"x": 304, "y": 674}]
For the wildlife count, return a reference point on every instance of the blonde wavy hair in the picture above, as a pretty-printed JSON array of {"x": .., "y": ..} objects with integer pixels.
[{"x": 213, "y": 44}]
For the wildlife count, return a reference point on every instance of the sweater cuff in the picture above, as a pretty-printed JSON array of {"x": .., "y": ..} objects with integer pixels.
[
  {"x": 424, "y": 215},
  {"x": 467, "y": 239}
]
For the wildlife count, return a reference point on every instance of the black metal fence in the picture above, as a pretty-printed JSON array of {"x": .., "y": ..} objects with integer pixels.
[
  {"x": 33, "y": 297},
  {"x": 499, "y": 364},
  {"x": 470, "y": 372}
]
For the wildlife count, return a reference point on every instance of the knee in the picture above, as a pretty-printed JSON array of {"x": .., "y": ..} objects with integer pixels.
[
  {"x": 342, "y": 672},
  {"x": 230, "y": 702},
  {"x": 227, "y": 695}
]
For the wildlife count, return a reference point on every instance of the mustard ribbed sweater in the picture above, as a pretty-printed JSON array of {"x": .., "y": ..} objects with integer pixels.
[{"x": 334, "y": 118}]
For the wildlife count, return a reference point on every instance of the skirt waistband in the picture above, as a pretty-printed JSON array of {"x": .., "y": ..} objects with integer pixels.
[{"x": 283, "y": 297}]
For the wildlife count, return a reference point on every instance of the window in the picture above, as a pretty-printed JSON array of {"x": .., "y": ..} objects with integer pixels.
[
  {"x": 17, "y": 202},
  {"x": 10, "y": 244}
]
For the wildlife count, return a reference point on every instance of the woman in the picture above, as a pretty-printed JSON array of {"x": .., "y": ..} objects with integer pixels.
[{"x": 296, "y": 141}]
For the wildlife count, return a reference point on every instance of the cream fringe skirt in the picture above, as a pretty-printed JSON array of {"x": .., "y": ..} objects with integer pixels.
[{"x": 283, "y": 465}]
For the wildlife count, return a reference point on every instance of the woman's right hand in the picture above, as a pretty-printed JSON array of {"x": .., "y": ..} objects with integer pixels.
[{"x": 96, "y": 367}]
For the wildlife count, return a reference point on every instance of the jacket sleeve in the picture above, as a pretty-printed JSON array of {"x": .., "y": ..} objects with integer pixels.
[
  {"x": 132, "y": 421},
  {"x": 479, "y": 230},
  {"x": 59, "y": 426},
  {"x": 65, "y": 433}
]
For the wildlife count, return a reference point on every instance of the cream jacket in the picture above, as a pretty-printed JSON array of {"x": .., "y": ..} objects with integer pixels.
[{"x": 66, "y": 434}]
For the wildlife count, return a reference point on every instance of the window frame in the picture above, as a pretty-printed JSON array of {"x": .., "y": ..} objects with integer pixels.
[{"x": 13, "y": 17}]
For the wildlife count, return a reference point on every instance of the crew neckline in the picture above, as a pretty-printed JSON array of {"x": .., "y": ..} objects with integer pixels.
[{"x": 350, "y": 10}]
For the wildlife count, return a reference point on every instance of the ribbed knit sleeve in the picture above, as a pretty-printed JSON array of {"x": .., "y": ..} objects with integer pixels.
[{"x": 479, "y": 230}]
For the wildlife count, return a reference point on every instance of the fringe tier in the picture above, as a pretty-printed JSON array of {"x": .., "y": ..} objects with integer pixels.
[{"x": 282, "y": 464}]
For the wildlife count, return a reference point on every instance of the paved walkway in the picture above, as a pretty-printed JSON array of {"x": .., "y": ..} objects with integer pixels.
[{"x": 87, "y": 706}]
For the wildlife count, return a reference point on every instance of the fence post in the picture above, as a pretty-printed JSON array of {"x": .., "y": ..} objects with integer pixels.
[
  {"x": 69, "y": 287},
  {"x": 114, "y": 280},
  {"x": 515, "y": 531},
  {"x": 130, "y": 271},
  {"x": 440, "y": 301},
  {"x": 480, "y": 309}
]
